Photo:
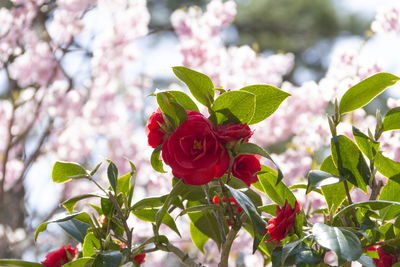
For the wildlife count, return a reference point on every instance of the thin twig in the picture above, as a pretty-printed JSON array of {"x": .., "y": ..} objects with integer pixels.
[{"x": 179, "y": 253}]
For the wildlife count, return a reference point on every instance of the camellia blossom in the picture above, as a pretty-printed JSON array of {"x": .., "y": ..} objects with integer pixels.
[
  {"x": 279, "y": 226},
  {"x": 233, "y": 132},
  {"x": 194, "y": 152},
  {"x": 153, "y": 130},
  {"x": 139, "y": 258},
  {"x": 61, "y": 256},
  {"x": 245, "y": 168},
  {"x": 384, "y": 259}
]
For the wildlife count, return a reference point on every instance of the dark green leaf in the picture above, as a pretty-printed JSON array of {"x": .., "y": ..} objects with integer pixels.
[
  {"x": 388, "y": 167},
  {"x": 112, "y": 174},
  {"x": 106, "y": 206},
  {"x": 239, "y": 184},
  {"x": 81, "y": 262},
  {"x": 287, "y": 249},
  {"x": 155, "y": 160},
  {"x": 370, "y": 205},
  {"x": 200, "y": 85},
  {"x": 108, "y": 259},
  {"x": 268, "y": 99},
  {"x": 362, "y": 93},
  {"x": 320, "y": 178},
  {"x": 70, "y": 204},
  {"x": 368, "y": 146},
  {"x": 391, "y": 121},
  {"x": 199, "y": 239},
  {"x": 301, "y": 255},
  {"x": 63, "y": 171},
  {"x": 250, "y": 148},
  {"x": 366, "y": 261},
  {"x": 344, "y": 243},
  {"x": 80, "y": 216},
  {"x": 184, "y": 100},
  {"x": 350, "y": 162},
  {"x": 149, "y": 215},
  {"x": 150, "y": 202},
  {"x": 171, "y": 107},
  {"x": 201, "y": 208},
  {"x": 76, "y": 229},
  {"x": 278, "y": 193},
  {"x": 90, "y": 245},
  {"x": 235, "y": 106},
  {"x": 248, "y": 207},
  {"x": 13, "y": 263}
]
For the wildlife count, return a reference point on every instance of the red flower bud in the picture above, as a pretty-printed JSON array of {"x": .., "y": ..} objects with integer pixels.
[
  {"x": 384, "y": 259},
  {"x": 233, "y": 132},
  {"x": 59, "y": 257},
  {"x": 139, "y": 258},
  {"x": 279, "y": 226},
  {"x": 153, "y": 130},
  {"x": 245, "y": 168}
]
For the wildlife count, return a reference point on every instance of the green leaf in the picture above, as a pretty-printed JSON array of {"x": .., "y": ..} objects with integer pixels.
[
  {"x": 63, "y": 171},
  {"x": 106, "y": 206},
  {"x": 318, "y": 178},
  {"x": 199, "y": 239},
  {"x": 70, "y": 204},
  {"x": 169, "y": 106},
  {"x": 108, "y": 259},
  {"x": 390, "y": 192},
  {"x": 370, "y": 205},
  {"x": 90, "y": 245},
  {"x": 205, "y": 222},
  {"x": 388, "y": 167},
  {"x": 149, "y": 215},
  {"x": 301, "y": 255},
  {"x": 368, "y": 146},
  {"x": 235, "y": 106},
  {"x": 334, "y": 194},
  {"x": 350, "y": 162},
  {"x": 366, "y": 261},
  {"x": 248, "y": 207},
  {"x": 250, "y": 148},
  {"x": 155, "y": 160},
  {"x": 344, "y": 243},
  {"x": 391, "y": 121},
  {"x": 80, "y": 216},
  {"x": 176, "y": 190},
  {"x": 75, "y": 229},
  {"x": 150, "y": 202},
  {"x": 124, "y": 184},
  {"x": 278, "y": 193},
  {"x": 184, "y": 100},
  {"x": 239, "y": 184},
  {"x": 270, "y": 209},
  {"x": 268, "y": 99},
  {"x": 200, "y": 85},
  {"x": 81, "y": 262},
  {"x": 202, "y": 208},
  {"x": 287, "y": 249},
  {"x": 13, "y": 263},
  {"x": 362, "y": 93},
  {"x": 112, "y": 174}
]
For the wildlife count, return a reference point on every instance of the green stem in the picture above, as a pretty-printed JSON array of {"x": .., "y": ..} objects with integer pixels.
[
  {"x": 353, "y": 213},
  {"x": 217, "y": 215}
]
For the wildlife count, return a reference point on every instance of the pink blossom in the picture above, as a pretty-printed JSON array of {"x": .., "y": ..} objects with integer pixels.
[{"x": 387, "y": 20}]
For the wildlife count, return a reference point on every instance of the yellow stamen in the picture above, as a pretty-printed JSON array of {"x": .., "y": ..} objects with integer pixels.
[{"x": 197, "y": 145}]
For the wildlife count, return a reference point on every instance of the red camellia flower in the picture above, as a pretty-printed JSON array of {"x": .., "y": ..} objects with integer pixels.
[
  {"x": 153, "y": 130},
  {"x": 194, "y": 151},
  {"x": 139, "y": 258},
  {"x": 385, "y": 259},
  {"x": 245, "y": 168},
  {"x": 232, "y": 132},
  {"x": 59, "y": 257},
  {"x": 279, "y": 226}
]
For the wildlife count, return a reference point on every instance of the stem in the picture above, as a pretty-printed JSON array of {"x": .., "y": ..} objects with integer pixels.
[
  {"x": 353, "y": 213},
  {"x": 217, "y": 215},
  {"x": 168, "y": 247},
  {"x": 226, "y": 247}
]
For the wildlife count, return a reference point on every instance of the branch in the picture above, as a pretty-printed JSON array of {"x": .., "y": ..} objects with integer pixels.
[{"x": 168, "y": 247}]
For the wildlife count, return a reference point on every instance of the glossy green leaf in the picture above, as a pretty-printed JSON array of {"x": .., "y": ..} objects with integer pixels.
[
  {"x": 344, "y": 243},
  {"x": 248, "y": 207},
  {"x": 108, "y": 259},
  {"x": 199, "y": 239},
  {"x": 366, "y": 261},
  {"x": 200, "y": 85},
  {"x": 235, "y": 106},
  {"x": 239, "y": 184},
  {"x": 80, "y": 216},
  {"x": 270, "y": 209},
  {"x": 106, "y": 206},
  {"x": 391, "y": 121},
  {"x": 70, "y": 204},
  {"x": 112, "y": 175},
  {"x": 155, "y": 160},
  {"x": 184, "y": 100},
  {"x": 250, "y": 148},
  {"x": 169, "y": 106},
  {"x": 278, "y": 193},
  {"x": 63, "y": 171},
  {"x": 124, "y": 183},
  {"x": 205, "y": 222},
  {"x": 318, "y": 178},
  {"x": 150, "y": 214},
  {"x": 90, "y": 245},
  {"x": 149, "y": 202},
  {"x": 370, "y": 205},
  {"x": 350, "y": 162},
  {"x": 362, "y": 93},
  {"x": 14, "y": 263},
  {"x": 81, "y": 262},
  {"x": 268, "y": 99},
  {"x": 368, "y": 146},
  {"x": 76, "y": 229},
  {"x": 300, "y": 255},
  {"x": 389, "y": 168},
  {"x": 334, "y": 194}
]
